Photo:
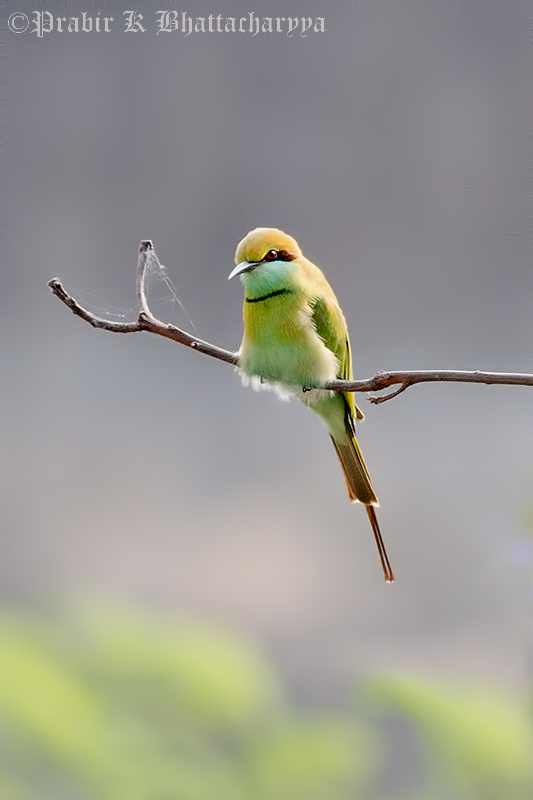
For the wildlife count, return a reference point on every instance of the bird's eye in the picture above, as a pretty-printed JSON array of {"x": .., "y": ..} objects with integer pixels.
[{"x": 271, "y": 255}]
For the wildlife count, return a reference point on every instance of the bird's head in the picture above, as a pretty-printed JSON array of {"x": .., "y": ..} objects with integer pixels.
[{"x": 265, "y": 251}]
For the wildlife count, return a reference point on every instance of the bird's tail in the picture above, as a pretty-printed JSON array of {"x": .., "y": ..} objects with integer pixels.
[{"x": 360, "y": 486}]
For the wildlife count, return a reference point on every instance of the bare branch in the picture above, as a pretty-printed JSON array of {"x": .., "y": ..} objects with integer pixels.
[
  {"x": 406, "y": 378},
  {"x": 146, "y": 321},
  {"x": 383, "y": 380},
  {"x": 146, "y": 252}
]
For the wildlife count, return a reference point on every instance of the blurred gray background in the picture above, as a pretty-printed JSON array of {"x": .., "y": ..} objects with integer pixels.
[{"x": 394, "y": 147}]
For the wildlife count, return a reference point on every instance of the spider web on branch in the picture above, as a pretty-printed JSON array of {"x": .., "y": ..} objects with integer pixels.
[
  {"x": 98, "y": 306},
  {"x": 161, "y": 294}
]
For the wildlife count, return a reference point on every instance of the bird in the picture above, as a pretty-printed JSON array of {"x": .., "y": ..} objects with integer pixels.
[{"x": 295, "y": 341}]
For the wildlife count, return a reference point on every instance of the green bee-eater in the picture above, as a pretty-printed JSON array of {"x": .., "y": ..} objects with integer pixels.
[{"x": 296, "y": 339}]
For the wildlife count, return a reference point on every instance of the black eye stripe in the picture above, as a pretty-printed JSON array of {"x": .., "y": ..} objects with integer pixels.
[
  {"x": 286, "y": 255},
  {"x": 281, "y": 255}
]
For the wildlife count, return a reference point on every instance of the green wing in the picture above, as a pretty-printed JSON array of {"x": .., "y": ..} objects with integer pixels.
[{"x": 330, "y": 325}]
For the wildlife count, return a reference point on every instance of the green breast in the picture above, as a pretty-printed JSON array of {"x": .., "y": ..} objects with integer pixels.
[{"x": 280, "y": 342}]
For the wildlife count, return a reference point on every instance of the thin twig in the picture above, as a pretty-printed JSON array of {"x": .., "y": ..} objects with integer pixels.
[
  {"x": 383, "y": 380},
  {"x": 146, "y": 252},
  {"x": 146, "y": 321},
  {"x": 406, "y": 378}
]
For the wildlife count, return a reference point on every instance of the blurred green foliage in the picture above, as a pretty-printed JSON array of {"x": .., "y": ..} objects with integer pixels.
[
  {"x": 110, "y": 705},
  {"x": 477, "y": 742}
]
